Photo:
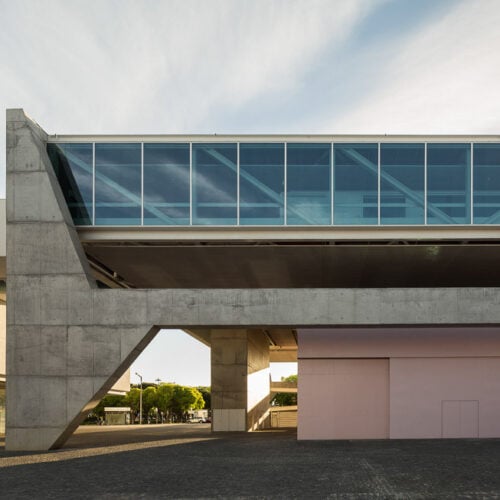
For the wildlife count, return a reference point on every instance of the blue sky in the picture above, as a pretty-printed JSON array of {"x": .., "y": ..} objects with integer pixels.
[{"x": 268, "y": 66}]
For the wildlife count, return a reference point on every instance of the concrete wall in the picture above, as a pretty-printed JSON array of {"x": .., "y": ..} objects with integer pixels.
[
  {"x": 2, "y": 408},
  {"x": 3, "y": 331},
  {"x": 436, "y": 383}
]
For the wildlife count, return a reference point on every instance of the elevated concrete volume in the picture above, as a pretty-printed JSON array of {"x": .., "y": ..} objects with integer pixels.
[{"x": 68, "y": 341}]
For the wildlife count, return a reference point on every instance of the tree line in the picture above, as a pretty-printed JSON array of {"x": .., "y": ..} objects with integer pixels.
[
  {"x": 165, "y": 402},
  {"x": 285, "y": 398}
]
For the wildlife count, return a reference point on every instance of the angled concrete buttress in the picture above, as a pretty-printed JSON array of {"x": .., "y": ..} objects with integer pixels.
[
  {"x": 68, "y": 341},
  {"x": 66, "y": 347}
]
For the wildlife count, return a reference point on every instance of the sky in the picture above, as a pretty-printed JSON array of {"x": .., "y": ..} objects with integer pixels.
[{"x": 249, "y": 66}]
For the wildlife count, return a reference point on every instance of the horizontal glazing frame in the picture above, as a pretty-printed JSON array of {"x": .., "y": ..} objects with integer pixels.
[{"x": 331, "y": 144}]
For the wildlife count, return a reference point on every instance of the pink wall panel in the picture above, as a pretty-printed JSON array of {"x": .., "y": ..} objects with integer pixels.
[
  {"x": 422, "y": 392},
  {"x": 443, "y": 382},
  {"x": 343, "y": 399},
  {"x": 398, "y": 342}
]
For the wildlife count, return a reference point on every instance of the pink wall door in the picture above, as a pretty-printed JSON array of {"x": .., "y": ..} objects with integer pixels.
[{"x": 460, "y": 419}]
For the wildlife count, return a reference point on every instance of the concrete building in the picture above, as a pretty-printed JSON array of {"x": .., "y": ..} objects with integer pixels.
[{"x": 370, "y": 260}]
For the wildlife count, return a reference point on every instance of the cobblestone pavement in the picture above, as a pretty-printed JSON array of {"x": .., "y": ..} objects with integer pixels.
[{"x": 187, "y": 461}]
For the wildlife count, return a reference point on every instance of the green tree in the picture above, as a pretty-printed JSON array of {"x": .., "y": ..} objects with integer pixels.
[
  {"x": 165, "y": 393},
  {"x": 132, "y": 399},
  {"x": 149, "y": 399},
  {"x": 169, "y": 399},
  {"x": 185, "y": 399},
  {"x": 206, "y": 394},
  {"x": 286, "y": 398}
]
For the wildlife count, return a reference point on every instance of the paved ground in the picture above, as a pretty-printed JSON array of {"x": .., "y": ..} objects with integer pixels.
[{"x": 187, "y": 461}]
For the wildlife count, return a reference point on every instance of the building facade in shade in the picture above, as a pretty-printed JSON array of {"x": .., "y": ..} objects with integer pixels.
[{"x": 371, "y": 260}]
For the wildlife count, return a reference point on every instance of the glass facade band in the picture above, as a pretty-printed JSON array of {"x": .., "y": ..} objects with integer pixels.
[{"x": 277, "y": 184}]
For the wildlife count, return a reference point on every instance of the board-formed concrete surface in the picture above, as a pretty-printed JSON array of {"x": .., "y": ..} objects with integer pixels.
[{"x": 187, "y": 461}]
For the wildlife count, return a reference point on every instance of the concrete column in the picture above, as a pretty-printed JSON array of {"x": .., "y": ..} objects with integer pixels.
[
  {"x": 258, "y": 381},
  {"x": 2, "y": 367},
  {"x": 240, "y": 379}
]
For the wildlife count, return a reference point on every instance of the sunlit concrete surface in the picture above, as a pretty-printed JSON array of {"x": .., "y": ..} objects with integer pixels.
[{"x": 187, "y": 461}]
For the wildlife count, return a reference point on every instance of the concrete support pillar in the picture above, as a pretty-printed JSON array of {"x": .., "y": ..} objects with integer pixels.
[
  {"x": 2, "y": 367},
  {"x": 240, "y": 380}
]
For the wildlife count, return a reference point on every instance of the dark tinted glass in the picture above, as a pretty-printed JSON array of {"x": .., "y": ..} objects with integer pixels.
[{"x": 73, "y": 167}]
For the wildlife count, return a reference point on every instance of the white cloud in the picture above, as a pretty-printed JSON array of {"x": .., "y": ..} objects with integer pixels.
[
  {"x": 444, "y": 79},
  {"x": 163, "y": 67}
]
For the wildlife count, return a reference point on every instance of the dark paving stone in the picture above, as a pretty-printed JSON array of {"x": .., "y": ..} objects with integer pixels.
[{"x": 187, "y": 461}]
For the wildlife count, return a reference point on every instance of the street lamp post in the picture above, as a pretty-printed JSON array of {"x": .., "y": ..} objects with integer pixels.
[{"x": 140, "y": 399}]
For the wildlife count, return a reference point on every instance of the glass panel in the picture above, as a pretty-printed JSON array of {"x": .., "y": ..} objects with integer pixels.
[
  {"x": 308, "y": 196},
  {"x": 262, "y": 179},
  {"x": 448, "y": 183},
  {"x": 214, "y": 184},
  {"x": 118, "y": 184},
  {"x": 166, "y": 184},
  {"x": 487, "y": 183},
  {"x": 73, "y": 167},
  {"x": 356, "y": 184},
  {"x": 402, "y": 180}
]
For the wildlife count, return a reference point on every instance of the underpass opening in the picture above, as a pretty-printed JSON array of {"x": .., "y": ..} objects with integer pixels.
[
  {"x": 171, "y": 375},
  {"x": 234, "y": 363}
]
